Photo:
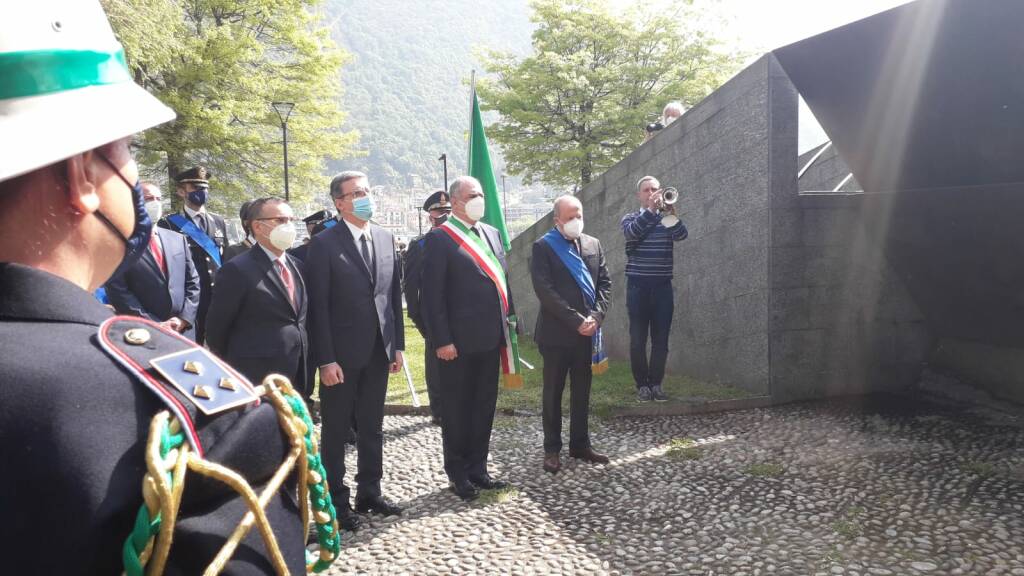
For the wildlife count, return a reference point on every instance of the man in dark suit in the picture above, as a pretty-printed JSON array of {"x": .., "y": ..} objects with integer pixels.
[
  {"x": 257, "y": 318},
  {"x": 357, "y": 327},
  {"x": 163, "y": 285},
  {"x": 438, "y": 207},
  {"x": 571, "y": 280},
  {"x": 466, "y": 323},
  {"x": 206, "y": 232},
  {"x": 248, "y": 241}
]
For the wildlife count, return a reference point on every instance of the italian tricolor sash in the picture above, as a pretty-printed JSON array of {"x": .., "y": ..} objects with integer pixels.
[{"x": 481, "y": 252}]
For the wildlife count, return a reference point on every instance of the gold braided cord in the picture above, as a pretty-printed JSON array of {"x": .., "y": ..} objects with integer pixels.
[{"x": 164, "y": 483}]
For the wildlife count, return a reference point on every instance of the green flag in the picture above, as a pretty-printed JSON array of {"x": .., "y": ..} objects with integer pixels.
[{"x": 480, "y": 168}]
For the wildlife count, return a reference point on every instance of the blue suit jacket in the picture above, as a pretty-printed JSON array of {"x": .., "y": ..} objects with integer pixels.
[
  {"x": 143, "y": 290},
  {"x": 347, "y": 308}
]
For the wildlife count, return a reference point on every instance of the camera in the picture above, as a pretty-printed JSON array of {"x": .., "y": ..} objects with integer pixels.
[{"x": 654, "y": 127}]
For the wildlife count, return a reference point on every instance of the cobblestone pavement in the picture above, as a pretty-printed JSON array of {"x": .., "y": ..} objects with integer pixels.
[{"x": 825, "y": 488}]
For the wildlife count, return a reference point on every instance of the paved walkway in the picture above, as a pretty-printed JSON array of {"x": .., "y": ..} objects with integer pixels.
[{"x": 825, "y": 488}]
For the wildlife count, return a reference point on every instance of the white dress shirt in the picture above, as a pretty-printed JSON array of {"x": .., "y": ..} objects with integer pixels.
[{"x": 359, "y": 232}]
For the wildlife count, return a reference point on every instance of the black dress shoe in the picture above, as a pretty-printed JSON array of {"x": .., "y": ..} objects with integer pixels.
[
  {"x": 347, "y": 519},
  {"x": 377, "y": 505},
  {"x": 464, "y": 490},
  {"x": 487, "y": 483}
]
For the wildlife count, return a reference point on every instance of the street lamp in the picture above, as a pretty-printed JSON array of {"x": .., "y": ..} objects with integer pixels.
[{"x": 284, "y": 110}]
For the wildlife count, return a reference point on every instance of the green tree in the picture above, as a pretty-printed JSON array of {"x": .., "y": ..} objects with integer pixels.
[
  {"x": 219, "y": 64},
  {"x": 576, "y": 106}
]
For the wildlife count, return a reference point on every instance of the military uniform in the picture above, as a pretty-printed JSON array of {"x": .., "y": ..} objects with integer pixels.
[
  {"x": 216, "y": 229},
  {"x": 73, "y": 424},
  {"x": 412, "y": 271}
]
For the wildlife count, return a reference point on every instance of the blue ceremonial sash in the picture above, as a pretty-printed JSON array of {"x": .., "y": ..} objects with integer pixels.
[
  {"x": 566, "y": 252},
  {"x": 189, "y": 228},
  {"x": 328, "y": 224}
]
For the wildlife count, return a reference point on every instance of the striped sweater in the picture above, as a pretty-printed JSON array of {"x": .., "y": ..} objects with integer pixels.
[{"x": 649, "y": 244}]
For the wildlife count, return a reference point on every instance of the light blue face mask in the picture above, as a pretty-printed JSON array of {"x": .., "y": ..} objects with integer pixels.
[{"x": 362, "y": 208}]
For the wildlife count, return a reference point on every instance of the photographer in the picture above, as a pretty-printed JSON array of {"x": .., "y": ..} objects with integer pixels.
[
  {"x": 649, "y": 295},
  {"x": 671, "y": 111}
]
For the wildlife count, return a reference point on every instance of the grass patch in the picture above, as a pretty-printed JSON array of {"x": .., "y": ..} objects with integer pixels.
[
  {"x": 609, "y": 391},
  {"x": 489, "y": 497},
  {"x": 983, "y": 469},
  {"x": 849, "y": 525},
  {"x": 684, "y": 449},
  {"x": 765, "y": 469}
]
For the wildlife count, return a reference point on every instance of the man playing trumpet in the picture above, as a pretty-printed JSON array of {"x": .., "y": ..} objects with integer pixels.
[{"x": 651, "y": 234}]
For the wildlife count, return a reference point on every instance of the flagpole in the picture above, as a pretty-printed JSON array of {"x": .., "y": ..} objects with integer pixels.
[{"x": 469, "y": 147}]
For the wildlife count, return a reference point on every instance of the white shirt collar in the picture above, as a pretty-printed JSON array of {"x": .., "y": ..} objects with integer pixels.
[
  {"x": 192, "y": 213},
  {"x": 357, "y": 231},
  {"x": 283, "y": 258}
]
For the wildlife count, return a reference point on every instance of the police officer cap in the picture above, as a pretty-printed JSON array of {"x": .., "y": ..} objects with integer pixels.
[
  {"x": 437, "y": 201},
  {"x": 318, "y": 217},
  {"x": 197, "y": 175}
]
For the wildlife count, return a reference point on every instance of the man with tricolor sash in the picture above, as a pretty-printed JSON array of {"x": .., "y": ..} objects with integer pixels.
[
  {"x": 570, "y": 278},
  {"x": 470, "y": 320},
  {"x": 207, "y": 235}
]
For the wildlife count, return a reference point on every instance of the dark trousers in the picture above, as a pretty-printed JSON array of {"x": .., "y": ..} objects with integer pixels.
[
  {"x": 431, "y": 372},
  {"x": 573, "y": 361},
  {"x": 470, "y": 391},
  {"x": 360, "y": 396},
  {"x": 650, "y": 304}
]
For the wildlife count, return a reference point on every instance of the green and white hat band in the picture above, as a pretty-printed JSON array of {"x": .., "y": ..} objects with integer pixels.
[{"x": 38, "y": 72}]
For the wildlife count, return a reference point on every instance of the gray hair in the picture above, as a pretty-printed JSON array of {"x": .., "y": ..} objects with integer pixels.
[
  {"x": 340, "y": 179},
  {"x": 641, "y": 181},
  {"x": 565, "y": 199},
  {"x": 673, "y": 107},
  {"x": 455, "y": 188}
]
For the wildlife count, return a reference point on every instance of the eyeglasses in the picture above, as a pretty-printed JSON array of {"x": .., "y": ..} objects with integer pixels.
[
  {"x": 357, "y": 193},
  {"x": 278, "y": 220}
]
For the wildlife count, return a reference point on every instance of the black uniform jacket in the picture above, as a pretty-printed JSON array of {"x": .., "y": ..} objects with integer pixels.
[{"x": 73, "y": 425}]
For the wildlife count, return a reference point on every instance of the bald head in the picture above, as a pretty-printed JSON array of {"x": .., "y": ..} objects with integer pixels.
[
  {"x": 461, "y": 185},
  {"x": 151, "y": 191},
  {"x": 567, "y": 202}
]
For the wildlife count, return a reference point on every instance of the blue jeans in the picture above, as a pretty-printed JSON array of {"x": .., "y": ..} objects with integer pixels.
[{"x": 650, "y": 304}]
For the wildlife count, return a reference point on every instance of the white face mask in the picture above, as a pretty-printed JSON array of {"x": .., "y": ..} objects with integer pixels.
[
  {"x": 573, "y": 229},
  {"x": 155, "y": 209},
  {"x": 475, "y": 208},
  {"x": 283, "y": 236}
]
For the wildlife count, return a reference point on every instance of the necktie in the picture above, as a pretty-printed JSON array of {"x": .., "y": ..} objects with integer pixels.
[
  {"x": 286, "y": 277},
  {"x": 474, "y": 230},
  {"x": 201, "y": 222},
  {"x": 366, "y": 256},
  {"x": 158, "y": 253}
]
